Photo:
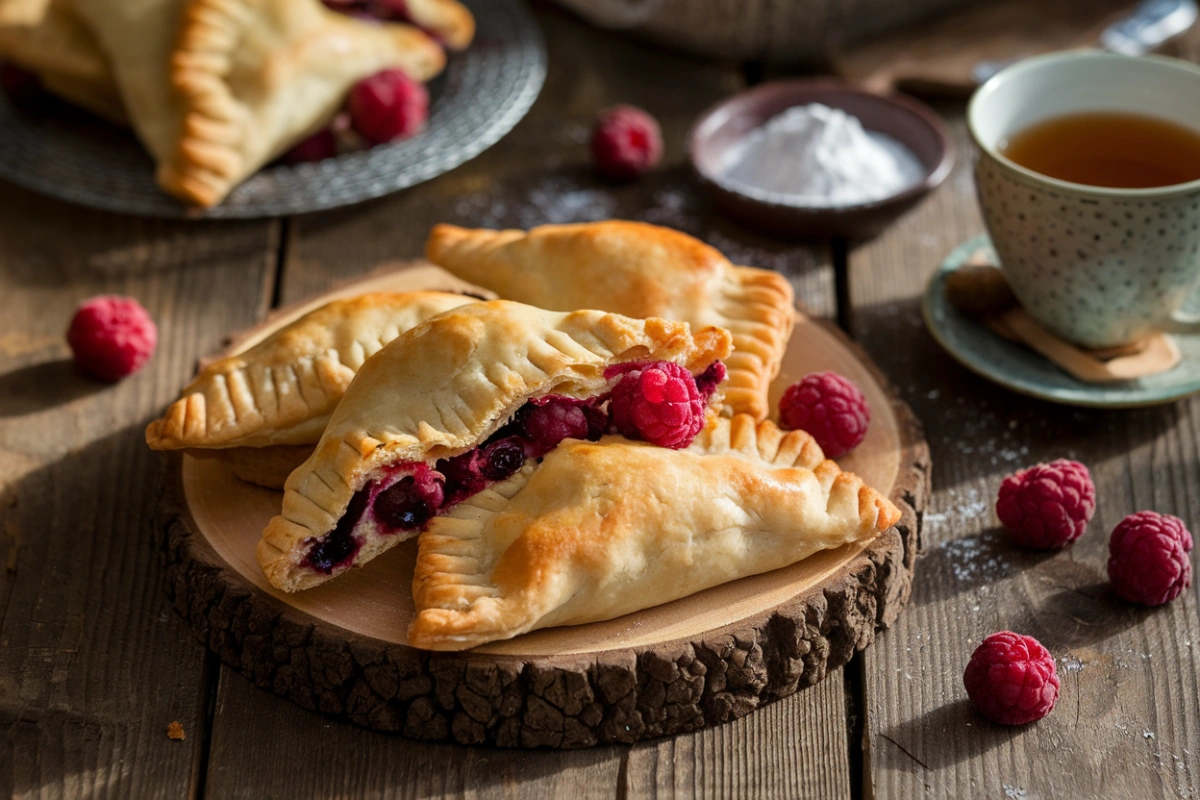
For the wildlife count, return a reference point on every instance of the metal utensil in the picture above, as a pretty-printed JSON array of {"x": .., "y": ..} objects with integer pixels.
[{"x": 1150, "y": 25}]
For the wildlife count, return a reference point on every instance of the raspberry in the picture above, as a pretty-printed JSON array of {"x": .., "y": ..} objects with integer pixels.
[
  {"x": 1048, "y": 505},
  {"x": 1011, "y": 679},
  {"x": 388, "y": 105},
  {"x": 830, "y": 408},
  {"x": 1148, "y": 558},
  {"x": 548, "y": 423},
  {"x": 626, "y": 143},
  {"x": 111, "y": 337},
  {"x": 659, "y": 403},
  {"x": 319, "y": 146}
]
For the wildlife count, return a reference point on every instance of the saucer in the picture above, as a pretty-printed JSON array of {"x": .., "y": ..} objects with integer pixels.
[{"x": 1016, "y": 367}]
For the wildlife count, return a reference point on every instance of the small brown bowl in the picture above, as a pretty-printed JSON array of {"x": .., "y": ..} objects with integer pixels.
[{"x": 903, "y": 118}]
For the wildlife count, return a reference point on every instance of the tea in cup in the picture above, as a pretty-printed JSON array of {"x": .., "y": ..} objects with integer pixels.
[{"x": 1088, "y": 175}]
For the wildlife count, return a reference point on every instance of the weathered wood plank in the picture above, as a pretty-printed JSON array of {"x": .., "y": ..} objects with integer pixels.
[
  {"x": 93, "y": 664},
  {"x": 769, "y": 754},
  {"x": 1127, "y": 723},
  {"x": 540, "y": 174}
]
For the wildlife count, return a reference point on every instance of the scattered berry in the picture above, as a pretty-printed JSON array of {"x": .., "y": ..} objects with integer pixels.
[
  {"x": 830, "y": 408},
  {"x": 626, "y": 143},
  {"x": 1011, "y": 679},
  {"x": 1148, "y": 558},
  {"x": 111, "y": 337},
  {"x": 659, "y": 403},
  {"x": 319, "y": 146},
  {"x": 388, "y": 105},
  {"x": 1048, "y": 505}
]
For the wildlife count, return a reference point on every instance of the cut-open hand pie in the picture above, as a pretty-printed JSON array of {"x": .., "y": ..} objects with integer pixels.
[
  {"x": 265, "y": 408},
  {"x": 640, "y": 271},
  {"x": 603, "y": 529},
  {"x": 457, "y": 403},
  {"x": 47, "y": 38},
  {"x": 217, "y": 88}
]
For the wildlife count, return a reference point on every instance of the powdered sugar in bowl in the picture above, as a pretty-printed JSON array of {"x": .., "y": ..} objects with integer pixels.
[{"x": 818, "y": 158}]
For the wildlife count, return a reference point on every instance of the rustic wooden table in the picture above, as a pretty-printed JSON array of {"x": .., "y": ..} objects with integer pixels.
[{"x": 94, "y": 664}]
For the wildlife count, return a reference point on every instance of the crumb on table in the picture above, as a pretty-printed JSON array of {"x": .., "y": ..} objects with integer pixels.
[{"x": 175, "y": 731}]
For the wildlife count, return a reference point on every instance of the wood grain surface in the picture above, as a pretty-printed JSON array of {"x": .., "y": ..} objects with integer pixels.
[
  {"x": 1128, "y": 718},
  {"x": 93, "y": 664}
]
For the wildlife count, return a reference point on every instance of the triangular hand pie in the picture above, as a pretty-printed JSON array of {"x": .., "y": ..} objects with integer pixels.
[
  {"x": 603, "y": 529},
  {"x": 217, "y": 88},
  {"x": 282, "y": 390},
  {"x": 47, "y": 38},
  {"x": 640, "y": 271},
  {"x": 462, "y": 400}
]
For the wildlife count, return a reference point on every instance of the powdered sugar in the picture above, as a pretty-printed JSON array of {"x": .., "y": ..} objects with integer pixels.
[{"x": 814, "y": 155}]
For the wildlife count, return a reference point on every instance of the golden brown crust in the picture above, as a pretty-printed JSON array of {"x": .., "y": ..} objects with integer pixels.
[
  {"x": 638, "y": 270},
  {"x": 46, "y": 36},
  {"x": 444, "y": 387},
  {"x": 282, "y": 390},
  {"x": 448, "y": 20},
  {"x": 605, "y": 529},
  {"x": 255, "y": 76}
]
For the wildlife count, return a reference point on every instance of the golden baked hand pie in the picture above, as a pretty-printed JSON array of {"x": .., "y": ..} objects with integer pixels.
[
  {"x": 460, "y": 401},
  {"x": 215, "y": 89},
  {"x": 603, "y": 529},
  {"x": 47, "y": 38},
  {"x": 277, "y": 396},
  {"x": 640, "y": 271}
]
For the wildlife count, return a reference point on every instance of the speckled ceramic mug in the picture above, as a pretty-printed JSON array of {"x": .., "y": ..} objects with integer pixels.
[{"x": 1098, "y": 266}]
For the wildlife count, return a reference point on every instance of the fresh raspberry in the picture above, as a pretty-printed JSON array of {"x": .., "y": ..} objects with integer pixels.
[
  {"x": 388, "y": 105},
  {"x": 660, "y": 403},
  {"x": 111, "y": 337},
  {"x": 830, "y": 408},
  {"x": 1011, "y": 679},
  {"x": 1048, "y": 505},
  {"x": 318, "y": 147},
  {"x": 626, "y": 143},
  {"x": 1148, "y": 558}
]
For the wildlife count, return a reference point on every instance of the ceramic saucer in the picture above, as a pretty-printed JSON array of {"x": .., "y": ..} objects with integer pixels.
[{"x": 1022, "y": 370}]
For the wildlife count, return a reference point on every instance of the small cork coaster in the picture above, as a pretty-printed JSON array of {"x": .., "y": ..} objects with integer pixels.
[{"x": 979, "y": 290}]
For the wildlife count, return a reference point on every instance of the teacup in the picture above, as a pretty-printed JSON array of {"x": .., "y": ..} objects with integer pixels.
[{"x": 1098, "y": 266}]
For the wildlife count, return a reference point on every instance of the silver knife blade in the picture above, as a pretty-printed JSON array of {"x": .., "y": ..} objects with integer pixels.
[{"x": 1150, "y": 25}]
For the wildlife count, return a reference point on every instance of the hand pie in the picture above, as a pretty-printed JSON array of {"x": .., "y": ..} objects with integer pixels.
[
  {"x": 460, "y": 401},
  {"x": 604, "y": 529},
  {"x": 217, "y": 88},
  {"x": 640, "y": 271},
  {"x": 446, "y": 20},
  {"x": 277, "y": 396},
  {"x": 47, "y": 38}
]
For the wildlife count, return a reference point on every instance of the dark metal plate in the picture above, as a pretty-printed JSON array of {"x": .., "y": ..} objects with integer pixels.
[{"x": 482, "y": 94}]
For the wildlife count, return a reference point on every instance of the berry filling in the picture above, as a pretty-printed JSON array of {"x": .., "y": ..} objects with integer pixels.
[{"x": 405, "y": 496}]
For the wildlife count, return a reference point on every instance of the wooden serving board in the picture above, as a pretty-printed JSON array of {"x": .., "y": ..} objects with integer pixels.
[{"x": 341, "y": 647}]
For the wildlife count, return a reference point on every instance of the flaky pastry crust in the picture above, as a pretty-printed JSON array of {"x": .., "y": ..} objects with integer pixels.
[
  {"x": 253, "y": 77},
  {"x": 443, "y": 388},
  {"x": 47, "y": 37},
  {"x": 447, "y": 20},
  {"x": 282, "y": 390},
  {"x": 638, "y": 270},
  {"x": 605, "y": 529}
]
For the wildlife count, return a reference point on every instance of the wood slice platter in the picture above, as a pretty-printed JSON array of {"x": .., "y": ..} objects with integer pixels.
[{"x": 341, "y": 648}]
